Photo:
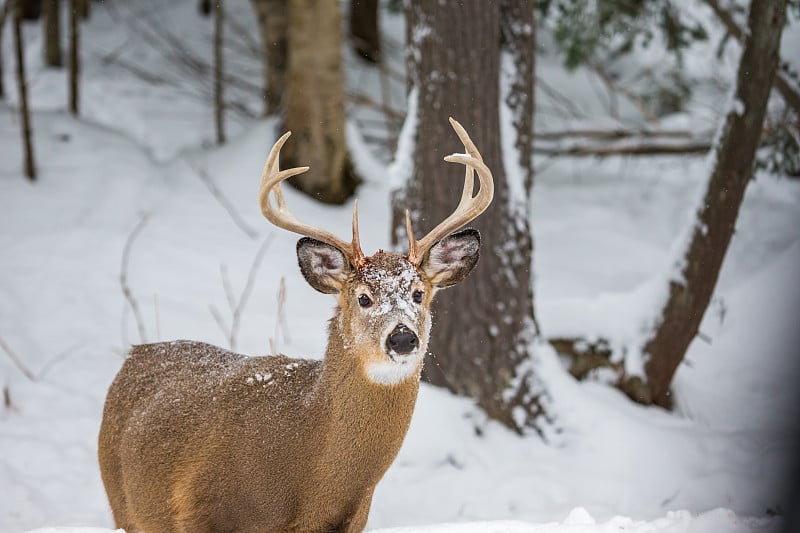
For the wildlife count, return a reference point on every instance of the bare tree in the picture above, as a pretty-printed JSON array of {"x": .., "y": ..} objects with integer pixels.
[
  {"x": 315, "y": 100},
  {"x": 74, "y": 56},
  {"x": 51, "y": 22},
  {"x": 365, "y": 34},
  {"x": 272, "y": 18},
  {"x": 715, "y": 219},
  {"x": 488, "y": 360},
  {"x": 4, "y": 10},
  {"x": 25, "y": 118},
  {"x": 219, "y": 101}
]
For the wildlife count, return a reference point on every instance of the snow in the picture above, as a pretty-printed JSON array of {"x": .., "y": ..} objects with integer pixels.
[
  {"x": 603, "y": 233},
  {"x": 578, "y": 521}
]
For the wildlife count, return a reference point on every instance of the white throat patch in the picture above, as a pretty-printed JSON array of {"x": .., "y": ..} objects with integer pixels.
[{"x": 393, "y": 372}]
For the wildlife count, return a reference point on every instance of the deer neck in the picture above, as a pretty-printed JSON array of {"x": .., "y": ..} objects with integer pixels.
[{"x": 366, "y": 422}]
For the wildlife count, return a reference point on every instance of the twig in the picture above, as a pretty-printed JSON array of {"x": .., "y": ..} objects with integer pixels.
[
  {"x": 237, "y": 306},
  {"x": 280, "y": 320},
  {"x": 17, "y": 361},
  {"x": 223, "y": 201},
  {"x": 34, "y": 377},
  {"x": 123, "y": 276},
  {"x": 389, "y": 113},
  {"x": 565, "y": 103},
  {"x": 615, "y": 87}
]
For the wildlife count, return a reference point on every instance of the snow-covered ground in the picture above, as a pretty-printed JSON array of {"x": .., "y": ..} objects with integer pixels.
[{"x": 603, "y": 231}]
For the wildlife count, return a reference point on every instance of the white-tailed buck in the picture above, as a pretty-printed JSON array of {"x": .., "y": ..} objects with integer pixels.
[{"x": 196, "y": 439}]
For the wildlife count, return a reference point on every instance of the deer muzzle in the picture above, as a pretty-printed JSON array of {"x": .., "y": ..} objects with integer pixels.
[{"x": 401, "y": 341}]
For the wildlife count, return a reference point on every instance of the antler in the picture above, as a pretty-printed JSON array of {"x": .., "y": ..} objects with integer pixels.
[
  {"x": 280, "y": 215},
  {"x": 469, "y": 207}
]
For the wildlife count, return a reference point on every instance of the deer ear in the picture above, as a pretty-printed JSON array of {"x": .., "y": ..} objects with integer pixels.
[
  {"x": 450, "y": 260},
  {"x": 324, "y": 266}
]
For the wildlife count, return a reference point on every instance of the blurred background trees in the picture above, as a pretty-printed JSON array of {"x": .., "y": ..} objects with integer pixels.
[{"x": 475, "y": 61}]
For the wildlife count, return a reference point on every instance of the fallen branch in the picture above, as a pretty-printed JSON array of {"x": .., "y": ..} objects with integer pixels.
[
  {"x": 123, "y": 277},
  {"x": 639, "y": 149},
  {"x": 613, "y": 134}
]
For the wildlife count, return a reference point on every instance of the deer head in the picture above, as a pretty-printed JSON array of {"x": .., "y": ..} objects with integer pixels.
[{"x": 384, "y": 299}]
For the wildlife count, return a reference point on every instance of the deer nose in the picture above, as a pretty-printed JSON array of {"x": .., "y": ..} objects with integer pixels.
[{"x": 402, "y": 340}]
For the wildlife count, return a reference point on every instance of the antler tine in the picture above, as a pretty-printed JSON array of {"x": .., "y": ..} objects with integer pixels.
[
  {"x": 280, "y": 216},
  {"x": 469, "y": 206}
]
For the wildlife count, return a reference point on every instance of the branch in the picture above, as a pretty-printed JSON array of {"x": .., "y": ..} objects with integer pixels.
[
  {"x": 123, "y": 277},
  {"x": 640, "y": 149},
  {"x": 237, "y": 306},
  {"x": 223, "y": 201},
  {"x": 612, "y": 134},
  {"x": 34, "y": 377},
  {"x": 782, "y": 81},
  {"x": 613, "y": 86}
]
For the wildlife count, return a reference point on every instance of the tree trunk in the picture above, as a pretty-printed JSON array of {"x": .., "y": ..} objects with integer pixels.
[
  {"x": 51, "y": 21},
  {"x": 716, "y": 218},
  {"x": 486, "y": 359},
  {"x": 273, "y": 20},
  {"x": 364, "y": 29},
  {"x": 315, "y": 101},
  {"x": 25, "y": 119},
  {"x": 74, "y": 57},
  {"x": 84, "y": 8},
  {"x": 31, "y": 9},
  {"x": 3, "y": 15},
  {"x": 219, "y": 103}
]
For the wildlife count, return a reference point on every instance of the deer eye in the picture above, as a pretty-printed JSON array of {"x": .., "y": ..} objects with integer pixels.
[
  {"x": 364, "y": 300},
  {"x": 417, "y": 297}
]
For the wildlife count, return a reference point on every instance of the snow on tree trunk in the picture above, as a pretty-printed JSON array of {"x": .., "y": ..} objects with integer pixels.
[
  {"x": 732, "y": 160},
  {"x": 483, "y": 332}
]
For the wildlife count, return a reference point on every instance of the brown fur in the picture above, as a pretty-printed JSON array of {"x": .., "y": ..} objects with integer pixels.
[{"x": 198, "y": 439}]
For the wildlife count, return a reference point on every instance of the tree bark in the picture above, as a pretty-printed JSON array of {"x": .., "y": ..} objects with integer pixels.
[
  {"x": 84, "y": 9},
  {"x": 51, "y": 21},
  {"x": 31, "y": 9},
  {"x": 219, "y": 101},
  {"x": 74, "y": 57},
  {"x": 273, "y": 21},
  {"x": 365, "y": 29},
  {"x": 315, "y": 101},
  {"x": 482, "y": 331},
  {"x": 716, "y": 218},
  {"x": 25, "y": 119},
  {"x": 3, "y": 15}
]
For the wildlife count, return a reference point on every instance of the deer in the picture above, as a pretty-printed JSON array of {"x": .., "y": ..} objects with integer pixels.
[{"x": 197, "y": 439}]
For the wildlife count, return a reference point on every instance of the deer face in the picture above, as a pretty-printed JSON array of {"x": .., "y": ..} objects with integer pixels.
[{"x": 384, "y": 303}]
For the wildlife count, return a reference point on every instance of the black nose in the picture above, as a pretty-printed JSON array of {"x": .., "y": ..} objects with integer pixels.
[{"x": 402, "y": 340}]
